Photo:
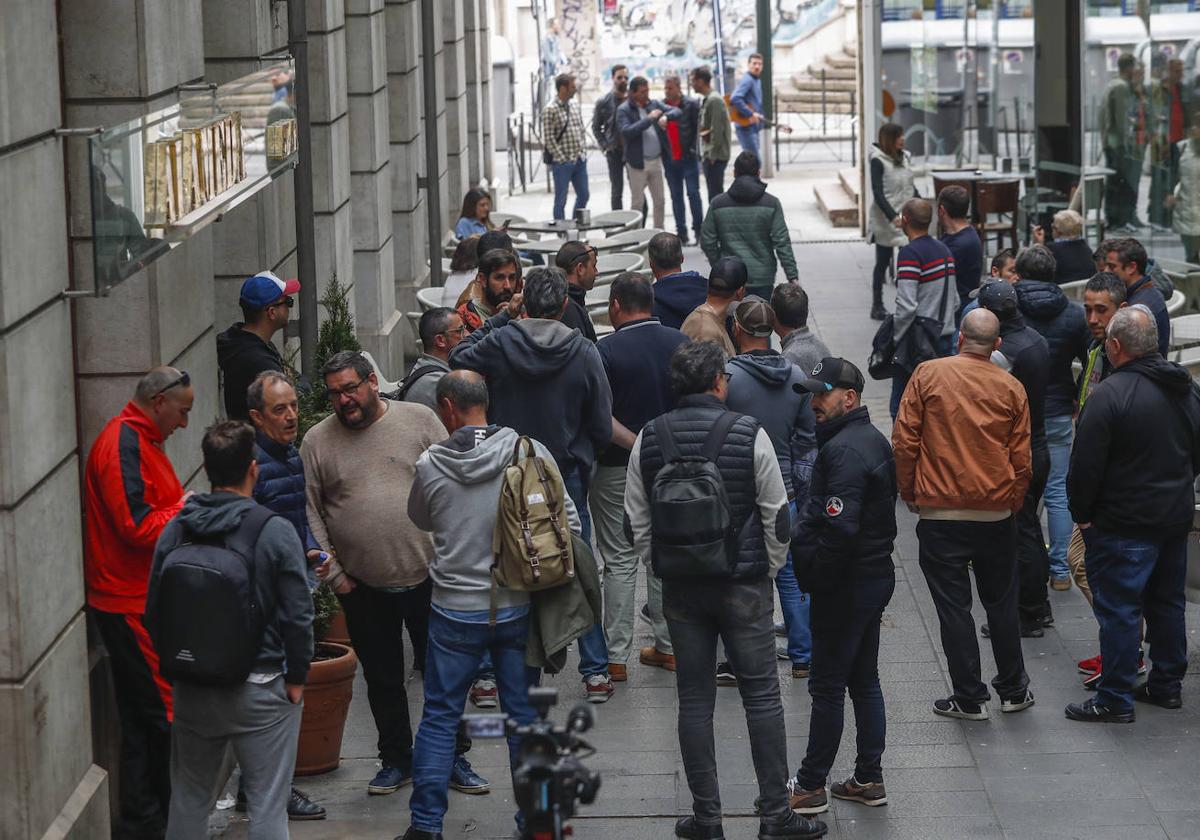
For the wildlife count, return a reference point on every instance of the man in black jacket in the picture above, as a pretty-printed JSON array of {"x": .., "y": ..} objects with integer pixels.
[
  {"x": 608, "y": 138},
  {"x": 245, "y": 349},
  {"x": 1025, "y": 354},
  {"x": 681, "y": 160},
  {"x": 1130, "y": 487},
  {"x": 1127, "y": 259},
  {"x": 842, "y": 548},
  {"x": 578, "y": 261},
  {"x": 1062, "y": 323}
]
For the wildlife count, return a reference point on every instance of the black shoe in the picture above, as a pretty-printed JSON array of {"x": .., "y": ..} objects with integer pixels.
[
  {"x": 1167, "y": 701},
  {"x": 725, "y": 675},
  {"x": 417, "y": 834},
  {"x": 1028, "y": 631},
  {"x": 878, "y": 313},
  {"x": 961, "y": 709},
  {"x": 1089, "y": 711},
  {"x": 300, "y": 807},
  {"x": 795, "y": 827},
  {"x": 689, "y": 829}
]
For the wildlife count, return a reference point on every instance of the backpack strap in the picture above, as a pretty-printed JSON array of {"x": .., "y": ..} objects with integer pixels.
[
  {"x": 245, "y": 538},
  {"x": 718, "y": 433},
  {"x": 413, "y": 377},
  {"x": 666, "y": 441}
]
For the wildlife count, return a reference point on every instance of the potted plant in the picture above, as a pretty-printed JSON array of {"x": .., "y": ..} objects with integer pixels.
[{"x": 330, "y": 685}]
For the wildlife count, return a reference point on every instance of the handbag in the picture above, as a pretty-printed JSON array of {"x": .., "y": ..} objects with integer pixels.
[
  {"x": 880, "y": 364},
  {"x": 920, "y": 342}
]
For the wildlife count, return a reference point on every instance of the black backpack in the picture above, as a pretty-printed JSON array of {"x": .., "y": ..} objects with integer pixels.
[
  {"x": 691, "y": 523},
  {"x": 414, "y": 376},
  {"x": 204, "y": 618}
]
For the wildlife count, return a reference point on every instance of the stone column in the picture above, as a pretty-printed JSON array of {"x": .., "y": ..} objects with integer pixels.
[
  {"x": 454, "y": 71},
  {"x": 477, "y": 52},
  {"x": 378, "y": 320}
]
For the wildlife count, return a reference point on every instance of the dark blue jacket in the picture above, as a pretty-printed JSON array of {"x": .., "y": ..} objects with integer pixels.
[
  {"x": 280, "y": 485},
  {"x": 676, "y": 295},
  {"x": 1146, "y": 293},
  {"x": 1062, "y": 323},
  {"x": 631, "y": 125}
]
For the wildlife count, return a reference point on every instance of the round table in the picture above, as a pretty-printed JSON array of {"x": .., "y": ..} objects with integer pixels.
[{"x": 561, "y": 227}]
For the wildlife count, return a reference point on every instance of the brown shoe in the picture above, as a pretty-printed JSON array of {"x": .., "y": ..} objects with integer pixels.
[
  {"x": 807, "y": 801},
  {"x": 872, "y": 793},
  {"x": 654, "y": 656},
  {"x": 1060, "y": 584},
  {"x": 617, "y": 673}
]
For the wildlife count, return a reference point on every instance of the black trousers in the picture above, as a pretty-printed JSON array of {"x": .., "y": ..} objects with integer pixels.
[
  {"x": 616, "y": 176},
  {"x": 145, "y": 768},
  {"x": 714, "y": 177},
  {"x": 990, "y": 548},
  {"x": 883, "y": 264},
  {"x": 1033, "y": 561}
]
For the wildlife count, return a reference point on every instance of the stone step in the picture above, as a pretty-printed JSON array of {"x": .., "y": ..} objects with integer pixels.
[
  {"x": 814, "y": 97},
  {"x": 836, "y": 204},
  {"x": 844, "y": 60},
  {"x": 848, "y": 178},
  {"x": 813, "y": 83},
  {"x": 814, "y": 71},
  {"x": 797, "y": 105}
]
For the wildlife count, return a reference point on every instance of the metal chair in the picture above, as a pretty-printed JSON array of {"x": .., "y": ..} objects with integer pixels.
[
  {"x": 997, "y": 198},
  {"x": 1175, "y": 304},
  {"x": 432, "y": 298},
  {"x": 1074, "y": 290},
  {"x": 629, "y": 219},
  {"x": 385, "y": 384},
  {"x": 611, "y": 264},
  {"x": 637, "y": 241}
]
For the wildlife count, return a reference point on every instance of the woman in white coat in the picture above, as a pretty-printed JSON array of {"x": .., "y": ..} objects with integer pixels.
[
  {"x": 891, "y": 185},
  {"x": 1186, "y": 200}
]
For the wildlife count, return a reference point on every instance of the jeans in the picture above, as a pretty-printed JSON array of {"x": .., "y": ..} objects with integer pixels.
[
  {"x": 569, "y": 174},
  {"x": 456, "y": 649},
  {"x": 714, "y": 177},
  {"x": 846, "y": 656},
  {"x": 616, "y": 176},
  {"x": 1132, "y": 578},
  {"x": 650, "y": 176},
  {"x": 1060, "y": 431},
  {"x": 1033, "y": 563},
  {"x": 900, "y": 377},
  {"x": 374, "y": 619},
  {"x": 681, "y": 173},
  {"x": 740, "y": 612},
  {"x": 621, "y": 566},
  {"x": 748, "y": 139},
  {"x": 593, "y": 650},
  {"x": 991, "y": 549},
  {"x": 795, "y": 607}
]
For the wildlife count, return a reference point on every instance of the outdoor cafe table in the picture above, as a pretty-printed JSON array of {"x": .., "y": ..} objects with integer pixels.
[
  {"x": 562, "y": 226},
  {"x": 1185, "y": 333}
]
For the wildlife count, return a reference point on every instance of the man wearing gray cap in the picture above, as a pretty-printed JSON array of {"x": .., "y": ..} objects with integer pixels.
[{"x": 842, "y": 548}]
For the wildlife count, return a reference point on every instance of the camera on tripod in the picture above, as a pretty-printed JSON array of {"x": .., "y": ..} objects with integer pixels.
[{"x": 550, "y": 779}]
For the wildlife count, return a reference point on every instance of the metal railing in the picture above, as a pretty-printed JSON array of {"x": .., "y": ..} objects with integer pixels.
[{"x": 836, "y": 133}]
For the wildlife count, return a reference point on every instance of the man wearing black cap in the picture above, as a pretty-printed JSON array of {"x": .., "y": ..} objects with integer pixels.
[
  {"x": 726, "y": 285},
  {"x": 842, "y": 550},
  {"x": 1024, "y": 353},
  {"x": 245, "y": 350}
]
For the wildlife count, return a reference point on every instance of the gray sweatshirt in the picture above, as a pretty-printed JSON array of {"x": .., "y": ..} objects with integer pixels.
[{"x": 454, "y": 495}]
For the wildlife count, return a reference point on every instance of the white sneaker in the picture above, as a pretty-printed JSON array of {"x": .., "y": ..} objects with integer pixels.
[{"x": 484, "y": 694}]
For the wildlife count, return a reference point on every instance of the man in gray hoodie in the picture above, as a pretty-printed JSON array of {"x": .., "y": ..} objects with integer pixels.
[
  {"x": 259, "y": 718},
  {"x": 454, "y": 496}
]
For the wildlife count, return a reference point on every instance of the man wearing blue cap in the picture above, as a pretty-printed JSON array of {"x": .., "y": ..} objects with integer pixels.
[{"x": 245, "y": 350}]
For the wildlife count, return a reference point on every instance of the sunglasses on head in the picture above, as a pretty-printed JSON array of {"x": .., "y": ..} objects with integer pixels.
[{"x": 184, "y": 380}]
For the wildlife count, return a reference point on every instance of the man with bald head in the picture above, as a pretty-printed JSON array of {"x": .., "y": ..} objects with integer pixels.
[
  {"x": 130, "y": 492},
  {"x": 1130, "y": 491},
  {"x": 963, "y": 464}
]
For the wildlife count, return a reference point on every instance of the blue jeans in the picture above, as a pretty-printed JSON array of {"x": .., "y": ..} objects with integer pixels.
[
  {"x": 593, "y": 649},
  {"x": 681, "y": 173},
  {"x": 846, "y": 656},
  {"x": 455, "y": 650},
  {"x": 748, "y": 139},
  {"x": 1131, "y": 578},
  {"x": 569, "y": 174},
  {"x": 795, "y": 607},
  {"x": 1059, "y": 433}
]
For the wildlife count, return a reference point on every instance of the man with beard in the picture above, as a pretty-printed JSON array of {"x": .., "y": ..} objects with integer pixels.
[
  {"x": 604, "y": 129},
  {"x": 498, "y": 280},
  {"x": 359, "y": 466}
]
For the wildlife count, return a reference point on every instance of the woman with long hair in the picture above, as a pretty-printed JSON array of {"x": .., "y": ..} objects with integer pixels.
[
  {"x": 891, "y": 186},
  {"x": 463, "y": 267},
  {"x": 475, "y": 216}
]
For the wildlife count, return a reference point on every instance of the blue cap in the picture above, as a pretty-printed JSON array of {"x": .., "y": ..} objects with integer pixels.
[{"x": 264, "y": 288}]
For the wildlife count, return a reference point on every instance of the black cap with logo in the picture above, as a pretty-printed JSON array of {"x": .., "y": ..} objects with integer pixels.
[{"x": 831, "y": 373}]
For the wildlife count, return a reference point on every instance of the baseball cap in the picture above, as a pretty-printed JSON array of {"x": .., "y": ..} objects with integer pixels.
[
  {"x": 728, "y": 274},
  {"x": 265, "y": 288},
  {"x": 755, "y": 316},
  {"x": 829, "y": 373},
  {"x": 998, "y": 296}
]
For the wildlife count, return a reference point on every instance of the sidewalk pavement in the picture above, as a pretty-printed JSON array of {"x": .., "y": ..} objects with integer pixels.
[{"x": 1027, "y": 776}]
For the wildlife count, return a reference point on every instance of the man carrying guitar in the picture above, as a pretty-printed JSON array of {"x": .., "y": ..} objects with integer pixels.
[{"x": 747, "y": 103}]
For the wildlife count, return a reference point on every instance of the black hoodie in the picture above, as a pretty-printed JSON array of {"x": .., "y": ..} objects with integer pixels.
[
  {"x": 242, "y": 356},
  {"x": 1062, "y": 323},
  {"x": 1137, "y": 452}
]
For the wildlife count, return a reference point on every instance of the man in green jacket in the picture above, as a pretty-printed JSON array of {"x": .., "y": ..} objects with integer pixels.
[{"x": 746, "y": 222}]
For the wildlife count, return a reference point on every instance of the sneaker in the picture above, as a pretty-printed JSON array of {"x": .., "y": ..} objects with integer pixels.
[
  {"x": 780, "y": 629},
  {"x": 599, "y": 688},
  {"x": 1092, "y": 683},
  {"x": 689, "y": 829},
  {"x": 725, "y": 675},
  {"x": 465, "y": 780},
  {"x": 960, "y": 709},
  {"x": 1089, "y": 711},
  {"x": 1018, "y": 703},
  {"x": 801, "y": 670},
  {"x": 1163, "y": 701},
  {"x": 872, "y": 793},
  {"x": 807, "y": 801},
  {"x": 1060, "y": 584},
  {"x": 656, "y": 658},
  {"x": 484, "y": 694},
  {"x": 1034, "y": 630},
  {"x": 388, "y": 780},
  {"x": 795, "y": 827},
  {"x": 781, "y": 651},
  {"x": 1089, "y": 666}
]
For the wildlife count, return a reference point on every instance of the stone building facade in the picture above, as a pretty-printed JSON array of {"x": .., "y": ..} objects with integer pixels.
[{"x": 68, "y": 364}]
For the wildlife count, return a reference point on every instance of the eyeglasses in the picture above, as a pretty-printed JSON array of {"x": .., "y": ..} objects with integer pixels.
[
  {"x": 286, "y": 300},
  {"x": 347, "y": 390},
  {"x": 184, "y": 380},
  {"x": 459, "y": 330}
]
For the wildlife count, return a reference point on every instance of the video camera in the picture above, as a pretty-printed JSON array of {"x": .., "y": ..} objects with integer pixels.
[{"x": 550, "y": 777}]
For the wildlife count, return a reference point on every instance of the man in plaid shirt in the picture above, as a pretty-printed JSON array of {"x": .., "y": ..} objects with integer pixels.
[{"x": 563, "y": 138}]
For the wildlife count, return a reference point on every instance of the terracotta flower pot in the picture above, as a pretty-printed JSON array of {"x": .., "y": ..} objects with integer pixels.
[
  {"x": 338, "y": 633},
  {"x": 326, "y": 701}
]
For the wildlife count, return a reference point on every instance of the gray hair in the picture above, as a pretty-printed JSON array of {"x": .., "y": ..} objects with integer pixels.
[
  {"x": 154, "y": 383},
  {"x": 464, "y": 388},
  {"x": 254, "y": 394},
  {"x": 1036, "y": 263},
  {"x": 1134, "y": 328},
  {"x": 1068, "y": 223},
  {"x": 545, "y": 293},
  {"x": 665, "y": 250}
]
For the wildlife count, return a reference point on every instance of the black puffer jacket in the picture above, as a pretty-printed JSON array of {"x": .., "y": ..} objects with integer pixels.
[
  {"x": 847, "y": 526},
  {"x": 1062, "y": 323},
  {"x": 1137, "y": 451}
]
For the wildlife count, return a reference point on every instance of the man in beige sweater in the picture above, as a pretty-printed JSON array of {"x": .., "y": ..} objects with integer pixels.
[
  {"x": 726, "y": 285},
  {"x": 359, "y": 466}
]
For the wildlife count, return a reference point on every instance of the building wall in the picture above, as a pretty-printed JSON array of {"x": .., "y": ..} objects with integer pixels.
[{"x": 69, "y": 364}]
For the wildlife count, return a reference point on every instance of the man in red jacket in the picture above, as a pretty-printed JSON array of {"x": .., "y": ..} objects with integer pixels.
[{"x": 130, "y": 493}]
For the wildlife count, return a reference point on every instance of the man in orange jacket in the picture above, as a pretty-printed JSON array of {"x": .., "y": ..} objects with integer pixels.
[{"x": 130, "y": 493}]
